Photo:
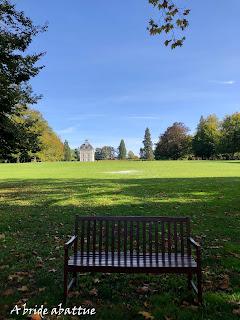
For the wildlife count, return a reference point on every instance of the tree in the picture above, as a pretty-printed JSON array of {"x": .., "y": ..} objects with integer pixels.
[
  {"x": 230, "y": 134},
  {"x": 67, "y": 152},
  {"x": 105, "y": 153},
  {"x": 147, "y": 151},
  {"x": 16, "y": 69},
  {"x": 132, "y": 156},
  {"x": 28, "y": 137},
  {"x": 174, "y": 143},
  {"x": 36, "y": 140},
  {"x": 76, "y": 154},
  {"x": 206, "y": 140},
  {"x": 50, "y": 145},
  {"x": 173, "y": 21},
  {"x": 98, "y": 154},
  {"x": 108, "y": 153},
  {"x": 122, "y": 151}
]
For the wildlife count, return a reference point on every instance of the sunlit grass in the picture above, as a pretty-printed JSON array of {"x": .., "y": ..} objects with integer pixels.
[{"x": 38, "y": 203}]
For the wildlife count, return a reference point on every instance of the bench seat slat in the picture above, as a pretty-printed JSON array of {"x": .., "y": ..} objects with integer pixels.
[{"x": 134, "y": 260}]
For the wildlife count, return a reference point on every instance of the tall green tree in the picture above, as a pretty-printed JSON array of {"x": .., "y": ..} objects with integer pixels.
[
  {"x": 206, "y": 140},
  {"x": 45, "y": 144},
  {"x": 174, "y": 143},
  {"x": 122, "y": 151},
  {"x": 230, "y": 134},
  {"x": 28, "y": 136},
  {"x": 147, "y": 150},
  {"x": 17, "y": 67},
  {"x": 108, "y": 153},
  {"x": 67, "y": 156}
]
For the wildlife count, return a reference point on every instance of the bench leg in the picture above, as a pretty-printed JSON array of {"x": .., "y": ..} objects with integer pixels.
[
  {"x": 189, "y": 280},
  {"x": 75, "y": 278},
  {"x": 65, "y": 285},
  {"x": 199, "y": 286}
]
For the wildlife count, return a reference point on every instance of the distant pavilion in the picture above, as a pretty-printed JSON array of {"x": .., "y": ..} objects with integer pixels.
[{"x": 87, "y": 152}]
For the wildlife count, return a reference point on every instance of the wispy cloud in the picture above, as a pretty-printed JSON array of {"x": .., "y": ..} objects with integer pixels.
[
  {"x": 145, "y": 117},
  {"x": 85, "y": 116},
  {"x": 66, "y": 130},
  {"x": 227, "y": 82}
]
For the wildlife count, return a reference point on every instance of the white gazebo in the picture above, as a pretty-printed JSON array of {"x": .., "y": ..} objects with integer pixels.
[{"x": 87, "y": 152}]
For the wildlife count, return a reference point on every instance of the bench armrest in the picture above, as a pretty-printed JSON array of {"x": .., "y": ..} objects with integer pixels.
[
  {"x": 197, "y": 246},
  {"x": 70, "y": 242},
  {"x": 194, "y": 243}
]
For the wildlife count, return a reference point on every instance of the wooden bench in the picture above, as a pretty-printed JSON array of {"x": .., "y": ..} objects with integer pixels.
[{"x": 131, "y": 245}]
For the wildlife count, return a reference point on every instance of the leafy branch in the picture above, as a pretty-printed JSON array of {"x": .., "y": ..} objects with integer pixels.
[{"x": 173, "y": 21}]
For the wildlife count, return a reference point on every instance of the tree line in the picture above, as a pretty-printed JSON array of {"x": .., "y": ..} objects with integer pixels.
[
  {"x": 36, "y": 140},
  {"x": 213, "y": 139}
]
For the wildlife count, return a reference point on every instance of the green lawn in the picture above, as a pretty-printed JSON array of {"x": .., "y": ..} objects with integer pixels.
[{"x": 38, "y": 203}]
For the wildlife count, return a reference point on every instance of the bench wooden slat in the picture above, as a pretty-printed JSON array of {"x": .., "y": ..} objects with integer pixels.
[
  {"x": 175, "y": 239},
  {"x": 163, "y": 239},
  {"x": 125, "y": 240},
  {"x": 181, "y": 237},
  {"x": 119, "y": 240},
  {"x": 144, "y": 240},
  {"x": 100, "y": 241},
  {"x": 113, "y": 241},
  {"x": 156, "y": 241},
  {"x": 138, "y": 240},
  {"x": 82, "y": 235},
  {"x": 131, "y": 240},
  {"x": 150, "y": 240},
  {"x": 128, "y": 261},
  {"x": 106, "y": 238},
  {"x": 94, "y": 240}
]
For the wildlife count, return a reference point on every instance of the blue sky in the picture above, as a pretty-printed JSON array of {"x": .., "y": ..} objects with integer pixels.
[{"x": 107, "y": 79}]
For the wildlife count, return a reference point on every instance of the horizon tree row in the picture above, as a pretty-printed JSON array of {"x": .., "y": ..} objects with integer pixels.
[{"x": 213, "y": 139}]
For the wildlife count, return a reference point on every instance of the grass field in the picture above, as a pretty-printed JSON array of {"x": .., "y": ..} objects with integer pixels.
[{"x": 38, "y": 203}]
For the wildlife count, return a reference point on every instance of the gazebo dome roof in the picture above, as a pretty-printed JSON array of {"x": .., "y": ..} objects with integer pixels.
[{"x": 86, "y": 146}]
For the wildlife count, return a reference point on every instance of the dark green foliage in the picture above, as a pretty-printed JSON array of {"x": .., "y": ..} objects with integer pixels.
[
  {"x": 172, "y": 23},
  {"x": 67, "y": 156},
  {"x": 98, "y": 154},
  {"x": 122, "y": 151},
  {"x": 108, "y": 153},
  {"x": 76, "y": 154},
  {"x": 146, "y": 152},
  {"x": 35, "y": 140},
  {"x": 105, "y": 153},
  {"x": 16, "y": 69},
  {"x": 174, "y": 144},
  {"x": 18, "y": 140},
  {"x": 141, "y": 153},
  {"x": 206, "y": 140},
  {"x": 230, "y": 134}
]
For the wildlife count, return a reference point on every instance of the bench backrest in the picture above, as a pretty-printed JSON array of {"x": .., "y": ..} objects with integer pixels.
[{"x": 136, "y": 235}]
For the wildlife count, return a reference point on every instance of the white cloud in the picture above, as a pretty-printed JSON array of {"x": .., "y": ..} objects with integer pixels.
[
  {"x": 66, "y": 130},
  {"x": 227, "y": 82}
]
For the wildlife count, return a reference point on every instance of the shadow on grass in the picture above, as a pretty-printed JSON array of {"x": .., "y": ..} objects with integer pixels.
[{"x": 37, "y": 216}]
